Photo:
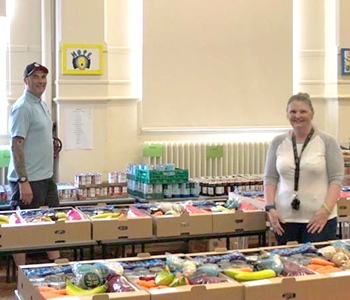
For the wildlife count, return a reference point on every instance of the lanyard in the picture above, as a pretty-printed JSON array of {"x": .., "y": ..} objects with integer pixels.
[{"x": 297, "y": 159}]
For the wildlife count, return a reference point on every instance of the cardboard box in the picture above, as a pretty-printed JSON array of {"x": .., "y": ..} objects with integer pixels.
[
  {"x": 119, "y": 228},
  {"x": 206, "y": 245},
  {"x": 343, "y": 205},
  {"x": 318, "y": 286},
  {"x": 44, "y": 233},
  {"x": 340, "y": 283},
  {"x": 122, "y": 228},
  {"x": 308, "y": 287},
  {"x": 239, "y": 221},
  {"x": 227, "y": 290},
  {"x": 28, "y": 291},
  {"x": 184, "y": 224}
]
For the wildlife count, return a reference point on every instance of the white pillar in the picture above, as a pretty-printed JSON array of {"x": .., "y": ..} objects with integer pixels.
[
  {"x": 331, "y": 68},
  {"x": 46, "y": 47}
]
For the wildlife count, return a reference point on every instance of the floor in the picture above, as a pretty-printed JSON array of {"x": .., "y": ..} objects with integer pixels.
[{"x": 6, "y": 289}]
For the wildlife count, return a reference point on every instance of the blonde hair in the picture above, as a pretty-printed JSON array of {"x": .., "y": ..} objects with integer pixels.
[{"x": 303, "y": 97}]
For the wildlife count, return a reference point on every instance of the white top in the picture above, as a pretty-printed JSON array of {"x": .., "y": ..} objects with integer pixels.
[{"x": 321, "y": 165}]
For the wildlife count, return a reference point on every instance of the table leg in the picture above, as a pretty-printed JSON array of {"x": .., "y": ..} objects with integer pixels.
[
  {"x": 104, "y": 251},
  {"x": 340, "y": 230},
  {"x": 14, "y": 270},
  {"x": 8, "y": 266},
  {"x": 92, "y": 252}
]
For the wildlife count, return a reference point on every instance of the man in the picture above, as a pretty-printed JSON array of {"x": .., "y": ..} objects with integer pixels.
[{"x": 31, "y": 166}]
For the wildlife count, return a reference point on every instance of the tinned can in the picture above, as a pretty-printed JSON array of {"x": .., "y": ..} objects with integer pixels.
[
  {"x": 158, "y": 188},
  {"x": 124, "y": 190},
  {"x": 185, "y": 189},
  {"x": 73, "y": 194},
  {"x": 168, "y": 190},
  {"x": 122, "y": 177},
  {"x": 176, "y": 190},
  {"x": 118, "y": 190},
  {"x": 98, "y": 192},
  {"x": 110, "y": 191},
  {"x": 147, "y": 188},
  {"x": 104, "y": 192},
  {"x": 80, "y": 180},
  {"x": 82, "y": 194},
  {"x": 97, "y": 179},
  {"x": 219, "y": 189},
  {"x": 91, "y": 192},
  {"x": 112, "y": 178}
]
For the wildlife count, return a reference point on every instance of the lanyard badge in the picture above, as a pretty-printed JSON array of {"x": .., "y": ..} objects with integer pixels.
[{"x": 296, "y": 202}]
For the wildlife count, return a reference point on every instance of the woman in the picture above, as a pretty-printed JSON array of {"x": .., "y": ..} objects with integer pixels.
[{"x": 303, "y": 175}]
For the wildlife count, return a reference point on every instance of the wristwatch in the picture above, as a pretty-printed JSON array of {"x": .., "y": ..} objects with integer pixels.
[
  {"x": 269, "y": 207},
  {"x": 23, "y": 179}
]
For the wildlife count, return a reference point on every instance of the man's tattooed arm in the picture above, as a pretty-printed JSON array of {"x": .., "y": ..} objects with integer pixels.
[{"x": 18, "y": 156}]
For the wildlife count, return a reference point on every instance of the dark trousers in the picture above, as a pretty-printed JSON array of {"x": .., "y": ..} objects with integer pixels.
[
  {"x": 298, "y": 232},
  {"x": 44, "y": 194}
]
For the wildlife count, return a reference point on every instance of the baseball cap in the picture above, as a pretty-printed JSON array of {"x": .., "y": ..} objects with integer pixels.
[{"x": 32, "y": 67}]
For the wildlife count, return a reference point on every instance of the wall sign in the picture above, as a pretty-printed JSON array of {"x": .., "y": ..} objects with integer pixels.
[
  {"x": 345, "y": 61},
  {"x": 215, "y": 151},
  {"x": 82, "y": 59},
  {"x": 152, "y": 150}
]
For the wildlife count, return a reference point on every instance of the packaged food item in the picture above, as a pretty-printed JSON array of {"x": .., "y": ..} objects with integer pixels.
[{"x": 87, "y": 276}]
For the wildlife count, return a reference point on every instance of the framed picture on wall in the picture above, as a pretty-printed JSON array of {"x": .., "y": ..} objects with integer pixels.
[
  {"x": 345, "y": 61},
  {"x": 82, "y": 59}
]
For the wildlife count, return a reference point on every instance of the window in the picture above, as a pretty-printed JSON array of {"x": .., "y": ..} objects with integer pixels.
[{"x": 4, "y": 42}]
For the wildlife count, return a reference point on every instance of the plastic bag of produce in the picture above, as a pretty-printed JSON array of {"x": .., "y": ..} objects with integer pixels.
[
  {"x": 293, "y": 269},
  {"x": 207, "y": 270},
  {"x": 116, "y": 284},
  {"x": 174, "y": 263},
  {"x": 269, "y": 261},
  {"x": 206, "y": 280}
]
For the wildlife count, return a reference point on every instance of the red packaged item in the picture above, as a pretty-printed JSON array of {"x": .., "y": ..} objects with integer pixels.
[
  {"x": 246, "y": 206},
  {"x": 133, "y": 212},
  {"x": 194, "y": 210},
  {"x": 73, "y": 215}
]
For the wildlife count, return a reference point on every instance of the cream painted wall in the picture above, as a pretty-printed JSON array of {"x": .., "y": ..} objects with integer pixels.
[
  {"x": 118, "y": 133},
  {"x": 344, "y": 81},
  {"x": 25, "y": 42}
]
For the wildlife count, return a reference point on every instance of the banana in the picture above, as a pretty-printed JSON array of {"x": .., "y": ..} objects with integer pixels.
[
  {"x": 106, "y": 215},
  {"x": 61, "y": 219},
  {"x": 45, "y": 218},
  {"x": 61, "y": 215},
  {"x": 257, "y": 275},
  {"x": 73, "y": 290},
  {"x": 4, "y": 218}
]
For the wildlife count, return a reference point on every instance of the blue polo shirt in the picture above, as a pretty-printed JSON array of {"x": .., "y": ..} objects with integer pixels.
[{"x": 30, "y": 119}]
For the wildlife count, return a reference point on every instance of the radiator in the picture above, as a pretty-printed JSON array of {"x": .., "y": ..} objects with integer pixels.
[{"x": 238, "y": 157}]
